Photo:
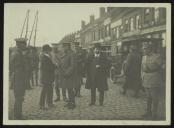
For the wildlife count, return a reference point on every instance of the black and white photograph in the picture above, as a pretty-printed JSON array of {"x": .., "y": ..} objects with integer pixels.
[{"x": 87, "y": 64}]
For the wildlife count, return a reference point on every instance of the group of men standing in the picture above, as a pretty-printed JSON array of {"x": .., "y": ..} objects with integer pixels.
[{"x": 64, "y": 71}]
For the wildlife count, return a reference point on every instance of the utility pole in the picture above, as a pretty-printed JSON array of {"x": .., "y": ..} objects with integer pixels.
[
  {"x": 27, "y": 24},
  {"x": 32, "y": 29},
  {"x": 26, "y": 18},
  {"x": 36, "y": 28}
]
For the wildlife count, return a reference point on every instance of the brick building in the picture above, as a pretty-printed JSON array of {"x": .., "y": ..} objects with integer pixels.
[{"x": 117, "y": 25}]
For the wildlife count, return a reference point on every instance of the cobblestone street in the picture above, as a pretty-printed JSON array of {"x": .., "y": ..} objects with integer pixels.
[{"x": 116, "y": 106}]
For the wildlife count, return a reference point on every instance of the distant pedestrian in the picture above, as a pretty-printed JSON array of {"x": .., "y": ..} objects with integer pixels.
[
  {"x": 47, "y": 77},
  {"x": 97, "y": 66},
  {"x": 18, "y": 69},
  {"x": 68, "y": 78},
  {"x": 35, "y": 66},
  {"x": 151, "y": 79},
  {"x": 132, "y": 71}
]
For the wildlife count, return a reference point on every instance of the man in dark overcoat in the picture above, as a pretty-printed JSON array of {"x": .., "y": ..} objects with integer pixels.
[
  {"x": 47, "y": 77},
  {"x": 96, "y": 66},
  {"x": 18, "y": 74},
  {"x": 68, "y": 78},
  {"x": 132, "y": 71}
]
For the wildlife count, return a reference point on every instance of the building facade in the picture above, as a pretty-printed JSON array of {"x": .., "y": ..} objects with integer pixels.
[{"x": 117, "y": 24}]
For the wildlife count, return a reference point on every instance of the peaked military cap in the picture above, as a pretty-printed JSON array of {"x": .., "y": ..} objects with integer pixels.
[
  {"x": 66, "y": 43},
  {"x": 21, "y": 40}
]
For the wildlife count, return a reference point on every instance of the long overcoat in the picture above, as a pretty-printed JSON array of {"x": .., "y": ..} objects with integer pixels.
[
  {"x": 132, "y": 70},
  {"x": 68, "y": 75},
  {"x": 97, "y": 77},
  {"x": 18, "y": 71},
  {"x": 47, "y": 70}
]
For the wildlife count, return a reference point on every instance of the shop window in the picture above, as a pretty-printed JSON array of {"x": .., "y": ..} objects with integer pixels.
[
  {"x": 162, "y": 13},
  {"x": 107, "y": 30},
  {"x": 126, "y": 26},
  {"x": 131, "y": 24},
  {"x": 114, "y": 33},
  {"x": 147, "y": 16},
  {"x": 117, "y": 32},
  {"x": 156, "y": 14},
  {"x": 164, "y": 39},
  {"x": 137, "y": 21}
]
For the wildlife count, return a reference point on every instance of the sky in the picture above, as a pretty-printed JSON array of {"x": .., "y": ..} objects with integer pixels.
[{"x": 55, "y": 20}]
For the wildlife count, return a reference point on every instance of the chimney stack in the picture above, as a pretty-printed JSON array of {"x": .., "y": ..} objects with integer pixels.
[
  {"x": 92, "y": 18},
  {"x": 102, "y": 11},
  {"x": 82, "y": 24}
]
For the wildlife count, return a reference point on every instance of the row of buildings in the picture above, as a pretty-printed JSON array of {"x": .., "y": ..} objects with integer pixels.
[{"x": 117, "y": 25}]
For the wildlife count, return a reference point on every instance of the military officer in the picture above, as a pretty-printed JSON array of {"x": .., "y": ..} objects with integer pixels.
[
  {"x": 68, "y": 79},
  {"x": 56, "y": 60},
  {"x": 151, "y": 78},
  {"x": 79, "y": 67},
  {"x": 18, "y": 71}
]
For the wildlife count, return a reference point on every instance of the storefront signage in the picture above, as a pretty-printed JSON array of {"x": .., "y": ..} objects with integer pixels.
[
  {"x": 107, "y": 21},
  {"x": 117, "y": 23}
]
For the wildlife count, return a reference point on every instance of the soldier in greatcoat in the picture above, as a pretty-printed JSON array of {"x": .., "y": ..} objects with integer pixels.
[
  {"x": 68, "y": 78},
  {"x": 97, "y": 66},
  {"x": 151, "y": 78},
  {"x": 132, "y": 71},
  {"x": 56, "y": 54},
  {"x": 18, "y": 68},
  {"x": 80, "y": 58}
]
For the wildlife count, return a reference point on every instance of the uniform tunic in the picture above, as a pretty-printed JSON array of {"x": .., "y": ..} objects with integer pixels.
[{"x": 151, "y": 66}]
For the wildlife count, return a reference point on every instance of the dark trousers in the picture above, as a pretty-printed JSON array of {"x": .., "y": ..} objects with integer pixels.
[
  {"x": 57, "y": 89},
  {"x": 46, "y": 95},
  {"x": 71, "y": 96},
  {"x": 93, "y": 96},
  {"x": 34, "y": 77},
  {"x": 77, "y": 91},
  {"x": 19, "y": 98}
]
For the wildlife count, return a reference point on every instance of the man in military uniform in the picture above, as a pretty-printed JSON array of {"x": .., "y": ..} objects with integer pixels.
[
  {"x": 56, "y": 60},
  {"x": 18, "y": 71},
  {"x": 68, "y": 78},
  {"x": 151, "y": 78},
  {"x": 79, "y": 67}
]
